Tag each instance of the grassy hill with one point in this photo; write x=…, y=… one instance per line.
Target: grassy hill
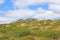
x=31, y=29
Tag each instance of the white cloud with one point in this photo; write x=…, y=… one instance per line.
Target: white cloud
x=54, y=7
x=20, y=13
x=24, y=3
x=2, y=1
x=46, y=14
x=6, y=20
x=54, y=1
x=13, y=15
x=39, y=13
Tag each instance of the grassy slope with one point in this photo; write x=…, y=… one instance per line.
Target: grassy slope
x=31, y=29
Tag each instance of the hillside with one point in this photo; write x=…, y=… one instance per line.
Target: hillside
x=31, y=29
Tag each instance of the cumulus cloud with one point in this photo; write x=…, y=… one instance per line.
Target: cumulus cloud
x=13, y=15
x=6, y=20
x=24, y=3
x=44, y=15
x=20, y=13
x=54, y=7
x=23, y=12
x=54, y=1
x=39, y=14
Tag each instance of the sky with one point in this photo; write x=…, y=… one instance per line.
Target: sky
x=12, y=10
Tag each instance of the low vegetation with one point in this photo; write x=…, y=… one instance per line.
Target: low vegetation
x=31, y=29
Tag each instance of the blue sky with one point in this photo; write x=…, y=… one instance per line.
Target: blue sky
x=7, y=5
x=34, y=7
x=11, y=10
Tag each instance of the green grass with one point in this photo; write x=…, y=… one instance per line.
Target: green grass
x=33, y=30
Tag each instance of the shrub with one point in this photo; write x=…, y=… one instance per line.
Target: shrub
x=21, y=33
x=52, y=34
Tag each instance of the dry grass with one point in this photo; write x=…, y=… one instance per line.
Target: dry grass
x=31, y=29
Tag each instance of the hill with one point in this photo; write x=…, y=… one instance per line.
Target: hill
x=31, y=29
